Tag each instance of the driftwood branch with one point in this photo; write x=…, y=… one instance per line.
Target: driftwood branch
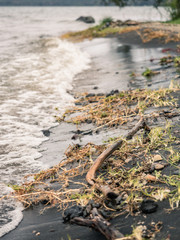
x=100, y=224
x=96, y=221
x=90, y=177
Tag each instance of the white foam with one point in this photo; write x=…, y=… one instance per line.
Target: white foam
x=11, y=211
x=36, y=83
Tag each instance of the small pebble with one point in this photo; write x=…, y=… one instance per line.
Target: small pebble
x=75, y=136
x=100, y=94
x=46, y=133
x=158, y=166
x=95, y=87
x=150, y=177
x=112, y=93
x=78, y=103
x=88, y=121
x=70, y=213
x=148, y=206
x=90, y=95
x=157, y=158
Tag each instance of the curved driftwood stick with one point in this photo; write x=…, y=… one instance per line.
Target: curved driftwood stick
x=100, y=224
x=90, y=177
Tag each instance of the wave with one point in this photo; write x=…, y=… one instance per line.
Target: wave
x=33, y=84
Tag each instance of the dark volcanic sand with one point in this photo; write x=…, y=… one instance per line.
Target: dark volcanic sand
x=50, y=225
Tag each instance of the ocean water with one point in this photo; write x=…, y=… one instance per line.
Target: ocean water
x=36, y=73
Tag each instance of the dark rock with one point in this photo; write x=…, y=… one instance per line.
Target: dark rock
x=88, y=121
x=70, y=213
x=100, y=94
x=77, y=131
x=86, y=19
x=116, y=91
x=75, y=137
x=105, y=214
x=85, y=103
x=95, y=87
x=92, y=101
x=44, y=201
x=96, y=205
x=46, y=133
x=91, y=95
x=113, y=92
x=97, y=131
x=148, y=206
x=117, y=72
x=89, y=207
x=78, y=103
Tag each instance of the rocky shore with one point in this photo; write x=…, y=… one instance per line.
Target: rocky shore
x=103, y=82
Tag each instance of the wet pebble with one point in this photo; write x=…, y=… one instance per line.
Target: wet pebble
x=112, y=93
x=46, y=133
x=158, y=166
x=157, y=158
x=70, y=213
x=148, y=206
x=90, y=95
x=95, y=87
x=44, y=201
x=150, y=177
x=75, y=137
x=78, y=103
x=105, y=214
x=88, y=121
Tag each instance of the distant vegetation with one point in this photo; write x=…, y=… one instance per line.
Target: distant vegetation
x=176, y=21
x=173, y=5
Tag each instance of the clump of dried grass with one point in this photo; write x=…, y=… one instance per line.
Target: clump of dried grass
x=117, y=109
x=97, y=31
x=148, y=34
x=134, y=181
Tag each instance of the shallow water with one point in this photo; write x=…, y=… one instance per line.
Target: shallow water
x=114, y=62
x=36, y=72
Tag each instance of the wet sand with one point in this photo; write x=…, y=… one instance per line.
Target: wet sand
x=104, y=76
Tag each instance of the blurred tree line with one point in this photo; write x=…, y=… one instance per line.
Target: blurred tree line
x=174, y=5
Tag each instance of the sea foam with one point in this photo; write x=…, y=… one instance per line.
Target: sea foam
x=36, y=82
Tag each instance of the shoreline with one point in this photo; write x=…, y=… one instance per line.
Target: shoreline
x=48, y=224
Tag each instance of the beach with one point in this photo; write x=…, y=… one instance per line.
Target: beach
x=109, y=65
